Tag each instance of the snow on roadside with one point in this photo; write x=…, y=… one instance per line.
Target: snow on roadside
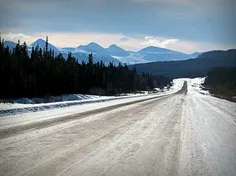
x=177, y=84
x=26, y=108
x=195, y=86
x=28, y=102
x=7, y=109
x=66, y=99
x=11, y=119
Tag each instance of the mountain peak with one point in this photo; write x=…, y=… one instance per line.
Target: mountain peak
x=92, y=47
x=93, y=44
x=38, y=42
x=117, y=51
x=113, y=46
x=154, y=49
x=41, y=43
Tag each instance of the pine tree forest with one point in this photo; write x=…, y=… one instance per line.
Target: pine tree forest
x=41, y=74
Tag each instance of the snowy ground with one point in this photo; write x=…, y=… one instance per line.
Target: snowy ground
x=175, y=134
x=26, y=102
x=26, y=106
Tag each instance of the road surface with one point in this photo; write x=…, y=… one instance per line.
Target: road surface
x=180, y=134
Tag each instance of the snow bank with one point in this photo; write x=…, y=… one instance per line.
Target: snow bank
x=25, y=105
x=54, y=100
x=195, y=86
x=10, y=109
x=177, y=84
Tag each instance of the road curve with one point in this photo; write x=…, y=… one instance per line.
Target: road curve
x=182, y=134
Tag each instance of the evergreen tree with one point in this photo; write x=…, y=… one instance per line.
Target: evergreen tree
x=41, y=74
x=90, y=59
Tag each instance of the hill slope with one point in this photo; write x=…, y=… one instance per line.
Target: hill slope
x=191, y=67
x=10, y=44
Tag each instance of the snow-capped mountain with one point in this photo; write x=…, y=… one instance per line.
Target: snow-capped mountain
x=154, y=49
x=92, y=48
x=114, y=50
x=149, y=54
x=113, y=53
x=153, y=54
x=99, y=53
x=42, y=44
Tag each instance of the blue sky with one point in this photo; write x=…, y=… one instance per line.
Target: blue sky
x=183, y=25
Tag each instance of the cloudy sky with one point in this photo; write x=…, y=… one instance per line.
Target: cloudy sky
x=183, y=25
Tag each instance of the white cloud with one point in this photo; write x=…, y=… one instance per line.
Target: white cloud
x=153, y=41
x=16, y=36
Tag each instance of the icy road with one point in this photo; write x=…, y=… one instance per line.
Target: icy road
x=179, y=134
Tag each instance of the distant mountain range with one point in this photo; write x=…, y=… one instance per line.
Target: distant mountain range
x=114, y=53
x=190, y=67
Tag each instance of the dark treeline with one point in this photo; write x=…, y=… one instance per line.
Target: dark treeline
x=43, y=74
x=222, y=81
